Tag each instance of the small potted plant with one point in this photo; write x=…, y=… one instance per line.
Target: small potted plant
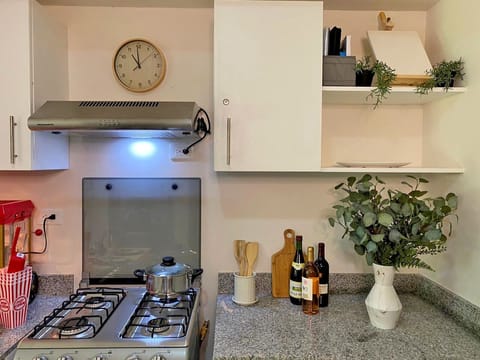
x=364, y=72
x=442, y=75
x=385, y=76
x=392, y=229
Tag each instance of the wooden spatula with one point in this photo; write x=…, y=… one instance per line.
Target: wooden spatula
x=251, y=254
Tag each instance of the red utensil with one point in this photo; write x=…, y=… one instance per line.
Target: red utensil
x=17, y=259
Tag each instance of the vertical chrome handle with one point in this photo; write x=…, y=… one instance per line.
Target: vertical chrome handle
x=229, y=131
x=12, y=139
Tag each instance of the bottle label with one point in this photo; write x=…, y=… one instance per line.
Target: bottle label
x=298, y=266
x=323, y=289
x=309, y=287
x=295, y=289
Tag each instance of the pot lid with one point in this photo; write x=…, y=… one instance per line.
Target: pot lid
x=168, y=267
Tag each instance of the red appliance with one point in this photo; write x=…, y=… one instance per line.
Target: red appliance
x=14, y=214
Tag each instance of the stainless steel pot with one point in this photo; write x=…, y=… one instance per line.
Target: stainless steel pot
x=169, y=278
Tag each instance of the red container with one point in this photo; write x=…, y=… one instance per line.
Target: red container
x=14, y=213
x=14, y=293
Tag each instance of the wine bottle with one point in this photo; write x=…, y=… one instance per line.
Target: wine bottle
x=323, y=270
x=298, y=264
x=310, y=282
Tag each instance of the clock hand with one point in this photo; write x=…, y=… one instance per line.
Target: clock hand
x=138, y=59
x=137, y=62
x=141, y=62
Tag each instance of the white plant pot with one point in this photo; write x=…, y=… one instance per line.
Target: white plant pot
x=383, y=305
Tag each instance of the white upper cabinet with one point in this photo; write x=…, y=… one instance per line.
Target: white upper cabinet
x=34, y=69
x=267, y=85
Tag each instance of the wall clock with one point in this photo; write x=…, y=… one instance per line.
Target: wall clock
x=139, y=65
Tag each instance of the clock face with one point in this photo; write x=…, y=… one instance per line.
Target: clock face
x=139, y=65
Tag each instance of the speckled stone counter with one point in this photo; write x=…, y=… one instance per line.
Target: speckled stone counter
x=53, y=289
x=273, y=328
x=37, y=310
x=435, y=324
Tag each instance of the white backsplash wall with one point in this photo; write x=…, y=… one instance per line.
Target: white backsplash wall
x=255, y=207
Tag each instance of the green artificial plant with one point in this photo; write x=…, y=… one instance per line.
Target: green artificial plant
x=385, y=76
x=393, y=227
x=442, y=75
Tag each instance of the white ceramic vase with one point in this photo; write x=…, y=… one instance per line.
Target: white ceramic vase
x=383, y=305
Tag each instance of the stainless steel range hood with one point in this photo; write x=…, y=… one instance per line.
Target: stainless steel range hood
x=137, y=119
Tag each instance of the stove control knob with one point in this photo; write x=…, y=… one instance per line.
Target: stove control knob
x=41, y=357
x=65, y=357
x=158, y=357
x=100, y=357
x=133, y=357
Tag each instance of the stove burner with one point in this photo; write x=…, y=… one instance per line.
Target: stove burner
x=73, y=326
x=95, y=302
x=171, y=302
x=158, y=325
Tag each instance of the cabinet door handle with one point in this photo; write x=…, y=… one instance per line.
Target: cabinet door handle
x=229, y=131
x=12, y=139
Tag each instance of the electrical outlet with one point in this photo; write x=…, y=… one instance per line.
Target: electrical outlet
x=47, y=212
x=176, y=152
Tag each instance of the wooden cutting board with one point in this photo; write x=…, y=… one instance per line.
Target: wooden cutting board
x=281, y=264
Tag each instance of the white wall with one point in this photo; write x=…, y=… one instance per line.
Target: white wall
x=454, y=125
x=256, y=207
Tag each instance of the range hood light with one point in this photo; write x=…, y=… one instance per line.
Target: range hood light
x=142, y=148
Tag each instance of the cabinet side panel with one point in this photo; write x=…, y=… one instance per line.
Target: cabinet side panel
x=50, y=82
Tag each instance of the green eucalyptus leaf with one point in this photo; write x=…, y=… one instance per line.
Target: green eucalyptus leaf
x=331, y=221
x=338, y=186
x=433, y=235
x=380, y=181
x=415, y=228
x=369, y=258
x=364, y=186
x=417, y=193
x=351, y=180
x=407, y=209
x=355, y=239
x=371, y=247
x=359, y=249
x=452, y=200
x=422, y=180
x=366, y=177
x=369, y=219
x=360, y=232
x=377, y=237
x=340, y=212
x=394, y=235
x=385, y=219
x=396, y=207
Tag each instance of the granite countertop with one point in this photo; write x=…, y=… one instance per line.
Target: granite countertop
x=37, y=310
x=53, y=290
x=273, y=328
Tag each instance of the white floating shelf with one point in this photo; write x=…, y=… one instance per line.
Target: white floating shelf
x=396, y=170
x=391, y=5
x=133, y=3
x=400, y=95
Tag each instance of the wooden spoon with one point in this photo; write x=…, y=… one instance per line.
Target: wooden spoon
x=238, y=246
x=243, y=259
x=251, y=253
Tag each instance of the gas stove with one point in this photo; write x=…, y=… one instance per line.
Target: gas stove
x=117, y=324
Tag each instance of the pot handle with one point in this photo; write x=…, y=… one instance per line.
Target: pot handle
x=196, y=272
x=140, y=274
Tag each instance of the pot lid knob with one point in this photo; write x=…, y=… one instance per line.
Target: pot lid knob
x=168, y=261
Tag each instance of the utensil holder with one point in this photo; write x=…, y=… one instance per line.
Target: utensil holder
x=14, y=294
x=244, y=289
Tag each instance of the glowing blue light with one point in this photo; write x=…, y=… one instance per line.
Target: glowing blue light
x=142, y=148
